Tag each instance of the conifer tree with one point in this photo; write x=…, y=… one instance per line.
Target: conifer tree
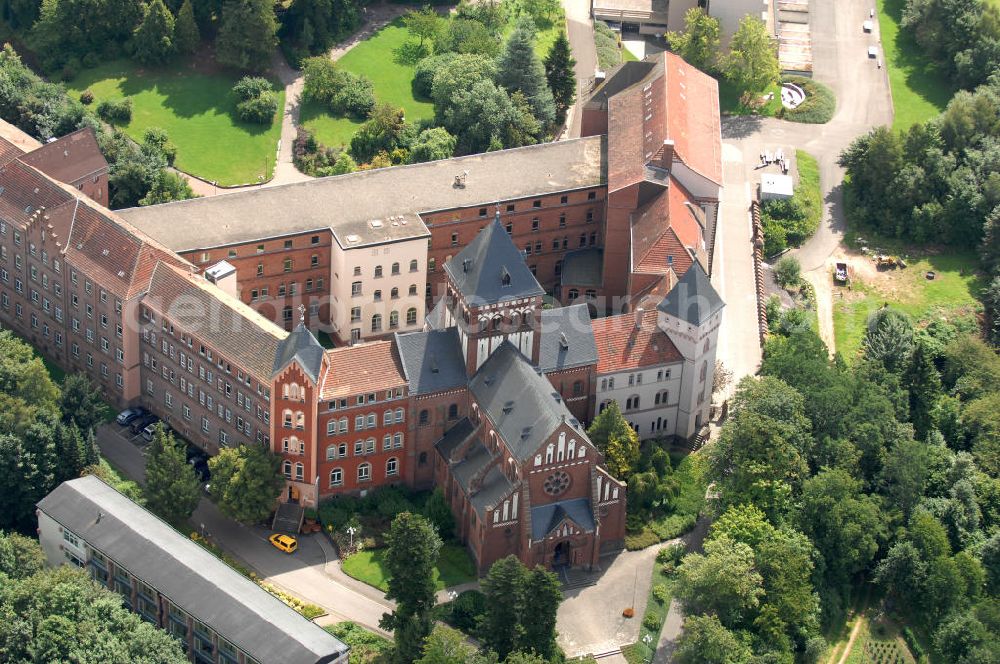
x=171, y=485
x=559, y=73
x=412, y=553
x=186, y=35
x=154, y=37
x=924, y=385
x=541, y=602
x=504, y=589
x=247, y=34
x=520, y=70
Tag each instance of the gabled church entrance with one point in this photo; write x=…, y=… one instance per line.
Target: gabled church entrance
x=561, y=555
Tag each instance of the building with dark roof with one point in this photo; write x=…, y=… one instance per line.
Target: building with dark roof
x=218, y=615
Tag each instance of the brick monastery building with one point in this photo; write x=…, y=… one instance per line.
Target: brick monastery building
x=435, y=283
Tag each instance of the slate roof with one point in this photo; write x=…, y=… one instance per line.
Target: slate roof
x=454, y=437
x=235, y=330
x=567, y=339
x=622, y=346
x=693, y=298
x=302, y=347
x=360, y=369
x=494, y=485
x=544, y=518
x=347, y=203
x=522, y=404
x=194, y=579
x=432, y=361
x=584, y=267
x=480, y=270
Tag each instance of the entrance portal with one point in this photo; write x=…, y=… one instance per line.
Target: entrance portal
x=293, y=494
x=560, y=557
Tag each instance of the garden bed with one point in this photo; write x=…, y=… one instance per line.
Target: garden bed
x=197, y=110
x=789, y=223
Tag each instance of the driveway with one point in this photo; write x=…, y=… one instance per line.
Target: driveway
x=863, y=101
x=580, y=31
x=312, y=573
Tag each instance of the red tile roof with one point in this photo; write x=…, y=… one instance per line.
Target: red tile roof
x=682, y=219
x=70, y=158
x=656, y=260
x=621, y=346
x=693, y=121
x=370, y=367
x=9, y=151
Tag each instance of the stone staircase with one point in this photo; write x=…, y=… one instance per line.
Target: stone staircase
x=288, y=518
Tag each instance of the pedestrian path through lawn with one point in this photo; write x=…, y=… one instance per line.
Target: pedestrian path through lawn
x=196, y=110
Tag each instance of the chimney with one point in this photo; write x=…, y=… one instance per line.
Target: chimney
x=667, y=156
x=638, y=318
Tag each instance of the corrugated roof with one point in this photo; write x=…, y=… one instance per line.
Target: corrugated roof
x=192, y=578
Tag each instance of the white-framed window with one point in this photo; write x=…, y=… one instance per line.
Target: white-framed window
x=337, y=477
x=392, y=467
x=364, y=472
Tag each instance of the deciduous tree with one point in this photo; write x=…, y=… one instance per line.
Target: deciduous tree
x=20, y=556
x=424, y=23
x=246, y=482
x=705, y=640
x=699, y=43
x=81, y=403
x=752, y=62
x=616, y=439
x=724, y=581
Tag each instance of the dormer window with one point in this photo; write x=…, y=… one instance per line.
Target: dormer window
x=504, y=277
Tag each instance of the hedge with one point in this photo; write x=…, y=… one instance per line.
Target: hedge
x=819, y=105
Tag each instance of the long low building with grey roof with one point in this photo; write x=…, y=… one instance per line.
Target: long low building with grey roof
x=218, y=615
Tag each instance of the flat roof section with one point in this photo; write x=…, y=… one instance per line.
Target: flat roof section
x=376, y=206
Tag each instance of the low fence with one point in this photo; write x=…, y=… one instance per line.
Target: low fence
x=758, y=269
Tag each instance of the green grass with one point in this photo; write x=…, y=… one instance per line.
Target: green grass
x=919, y=91
x=680, y=517
x=454, y=567
x=730, y=104
x=393, y=80
x=328, y=129
x=951, y=294
x=196, y=111
x=629, y=56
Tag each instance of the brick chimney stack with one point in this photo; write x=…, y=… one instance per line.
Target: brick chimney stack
x=638, y=318
x=667, y=154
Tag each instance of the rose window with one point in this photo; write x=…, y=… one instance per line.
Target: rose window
x=556, y=483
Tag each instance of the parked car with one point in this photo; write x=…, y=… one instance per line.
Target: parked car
x=129, y=415
x=285, y=543
x=141, y=423
x=150, y=431
x=868, y=26
x=872, y=52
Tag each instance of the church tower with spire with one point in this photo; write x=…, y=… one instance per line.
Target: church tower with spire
x=493, y=297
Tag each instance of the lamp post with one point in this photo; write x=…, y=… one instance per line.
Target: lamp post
x=350, y=531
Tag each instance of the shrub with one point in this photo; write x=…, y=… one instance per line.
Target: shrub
x=640, y=540
x=252, y=87
x=87, y=97
x=788, y=272
x=463, y=613
x=70, y=69
x=651, y=621
x=115, y=112
x=423, y=76
x=818, y=106
x=606, y=42
x=660, y=593
x=355, y=97
x=671, y=553
x=259, y=110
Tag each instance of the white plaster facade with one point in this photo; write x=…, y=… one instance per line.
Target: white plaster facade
x=648, y=397
x=386, y=280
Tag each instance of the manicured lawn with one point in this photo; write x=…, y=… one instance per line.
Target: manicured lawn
x=454, y=567
x=729, y=100
x=329, y=130
x=393, y=80
x=919, y=91
x=195, y=109
x=951, y=294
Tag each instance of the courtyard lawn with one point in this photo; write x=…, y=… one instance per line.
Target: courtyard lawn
x=393, y=79
x=196, y=111
x=454, y=567
x=329, y=130
x=919, y=91
x=730, y=104
x=951, y=295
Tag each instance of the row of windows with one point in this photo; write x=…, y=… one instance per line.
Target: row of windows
x=378, y=272
x=363, y=447
x=264, y=292
x=356, y=291
x=537, y=203
x=361, y=422
x=634, y=379
x=364, y=472
x=411, y=319
x=232, y=253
